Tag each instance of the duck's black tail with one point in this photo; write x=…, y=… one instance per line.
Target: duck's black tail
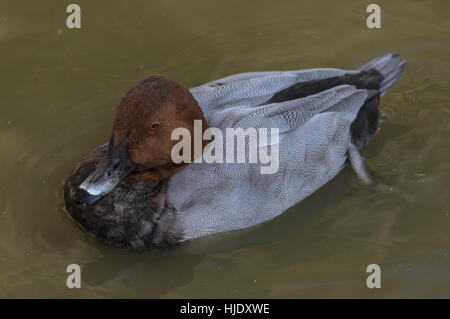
x=390, y=66
x=379, y=74
x=366, y=122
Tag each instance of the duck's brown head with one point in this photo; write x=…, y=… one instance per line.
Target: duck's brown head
x=141, y=141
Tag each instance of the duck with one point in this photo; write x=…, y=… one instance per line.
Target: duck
x=129, y=192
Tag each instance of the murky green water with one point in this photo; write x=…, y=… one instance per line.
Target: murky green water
x=59, y=89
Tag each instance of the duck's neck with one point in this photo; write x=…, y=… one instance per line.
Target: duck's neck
x=158, y=175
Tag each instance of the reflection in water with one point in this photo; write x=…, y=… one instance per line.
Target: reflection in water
x=59, y=91
x=147, y=273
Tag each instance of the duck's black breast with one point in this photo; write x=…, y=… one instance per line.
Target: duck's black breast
x=134, y=214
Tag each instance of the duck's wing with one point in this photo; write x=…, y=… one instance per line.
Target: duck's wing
x=250, y=89
x=319, y=132
x=291, y=114
x=313, y=147
x=257, y=88
x=219, y=197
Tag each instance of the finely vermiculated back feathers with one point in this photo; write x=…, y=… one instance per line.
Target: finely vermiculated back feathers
x=315, y=142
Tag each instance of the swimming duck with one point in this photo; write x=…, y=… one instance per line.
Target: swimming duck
x=130, y=192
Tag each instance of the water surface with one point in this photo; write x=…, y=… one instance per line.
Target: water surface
x=59, y=89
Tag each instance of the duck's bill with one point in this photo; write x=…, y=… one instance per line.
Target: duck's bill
x=109, y=173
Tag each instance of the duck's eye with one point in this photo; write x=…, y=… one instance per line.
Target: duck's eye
x=154, y=126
